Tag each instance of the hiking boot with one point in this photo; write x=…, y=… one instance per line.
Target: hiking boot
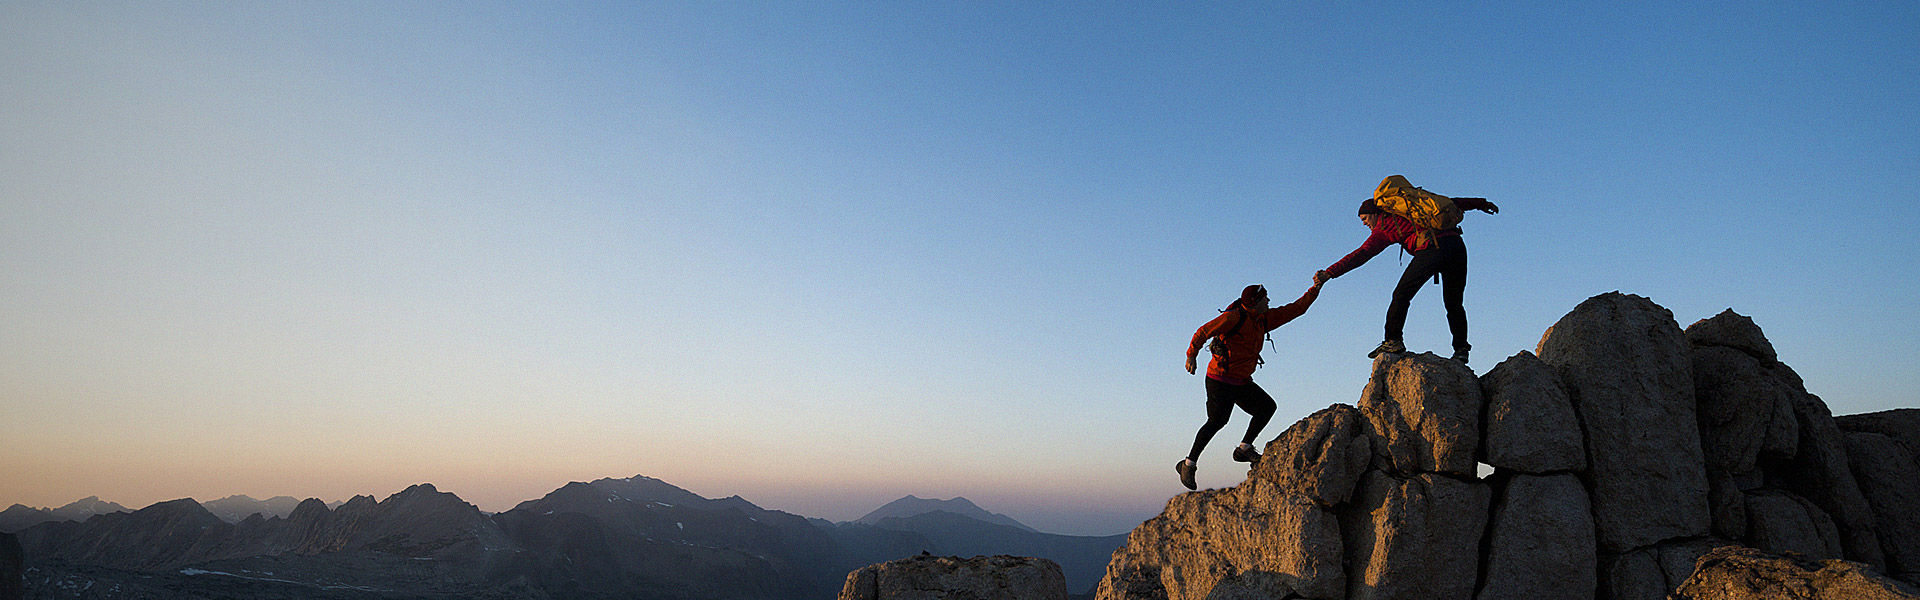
x=1245, y=453
x=1185, y=469
x=1388, y=347
x=1460, y=355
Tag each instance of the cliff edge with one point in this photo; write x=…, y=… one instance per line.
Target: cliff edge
x=1624, y=449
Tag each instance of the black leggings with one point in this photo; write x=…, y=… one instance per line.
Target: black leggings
x=1448, y=258
x=1221, y=398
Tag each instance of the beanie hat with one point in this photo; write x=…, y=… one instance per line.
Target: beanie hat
x=1253, y=292
x=1369, y=208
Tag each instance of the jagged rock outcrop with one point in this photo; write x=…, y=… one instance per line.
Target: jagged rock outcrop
x=1890, y=481
x=1781, y=522
x=954, y=578
x=1901, y=424
x=1889, y=478
x=1276, y=534
x=1540, y=543
x=1425, y=412
x=1347, y=503
x=1414, y=537
x=1623, y=452
x=1626, y=367
x=1530, y=423
x=1821, y=472
x=1738, y=573
x=1762, y=431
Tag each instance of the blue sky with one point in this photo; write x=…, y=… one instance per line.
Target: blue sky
x=826, y=255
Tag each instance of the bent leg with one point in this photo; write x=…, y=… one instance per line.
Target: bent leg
x=1421, y=268
x=1219, y=407
x=1257, y=403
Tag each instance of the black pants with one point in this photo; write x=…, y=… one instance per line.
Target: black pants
x=1448, y=258
x=1221, y=398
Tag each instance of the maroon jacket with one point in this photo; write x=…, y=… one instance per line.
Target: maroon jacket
x=1243, y=349
x=1392, y=229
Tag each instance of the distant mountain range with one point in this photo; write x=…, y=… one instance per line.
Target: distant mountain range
x=232, y=509
x=18, y=517
x=612, y=538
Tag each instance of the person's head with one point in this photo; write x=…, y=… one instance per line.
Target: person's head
x=1253, y=298
x=1370, y=212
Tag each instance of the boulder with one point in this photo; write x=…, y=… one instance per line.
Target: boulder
x=1740, y=573
x=952, y=578
x=1319, y=458
x=1167, y=557
x=1540, y=541
x=1416, y=537
x=1628, y=370
x=1650, y=573
x=1727, y=498
x=1821, y=472
x=1900, y=424
x=1732, y=330
x=1272, y=543
x=1738, y=404
x=1781, y=522
x=1530, y=424
x=1425, y=410
x=1889, y=478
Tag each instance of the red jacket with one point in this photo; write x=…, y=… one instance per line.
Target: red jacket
x=1243, y=347
x=1392, y=229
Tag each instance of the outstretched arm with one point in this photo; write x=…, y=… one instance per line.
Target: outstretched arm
x=1375, y=243
x=1479, y=204
x=1280, y=315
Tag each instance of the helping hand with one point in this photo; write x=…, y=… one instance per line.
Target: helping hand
x=1320, y=277
x=1491, y=208
x=1190, y=365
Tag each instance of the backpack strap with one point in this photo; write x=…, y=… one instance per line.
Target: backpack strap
x=1219, y=343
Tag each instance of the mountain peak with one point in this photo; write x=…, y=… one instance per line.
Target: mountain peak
x=421, y=488
x=911, y=505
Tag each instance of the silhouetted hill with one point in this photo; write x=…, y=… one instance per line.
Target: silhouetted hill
x=20, y=516
x=910, y=506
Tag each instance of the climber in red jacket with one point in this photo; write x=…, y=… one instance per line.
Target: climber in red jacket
x=1238, y=335
x=1445, y=255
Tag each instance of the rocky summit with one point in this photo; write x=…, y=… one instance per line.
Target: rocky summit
x=1631, y=459
x=952, y=578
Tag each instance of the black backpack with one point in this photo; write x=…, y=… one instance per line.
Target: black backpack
x=1218, y=345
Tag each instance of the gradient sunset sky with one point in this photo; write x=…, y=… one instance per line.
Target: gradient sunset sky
x=823, y=255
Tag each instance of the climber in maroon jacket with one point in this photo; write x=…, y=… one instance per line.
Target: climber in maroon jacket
x=1442, y=252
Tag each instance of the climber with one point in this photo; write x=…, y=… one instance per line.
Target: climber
x=1238, y=335
x=1435, y=251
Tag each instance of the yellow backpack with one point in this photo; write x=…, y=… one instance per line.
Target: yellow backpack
x=1432, y=212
